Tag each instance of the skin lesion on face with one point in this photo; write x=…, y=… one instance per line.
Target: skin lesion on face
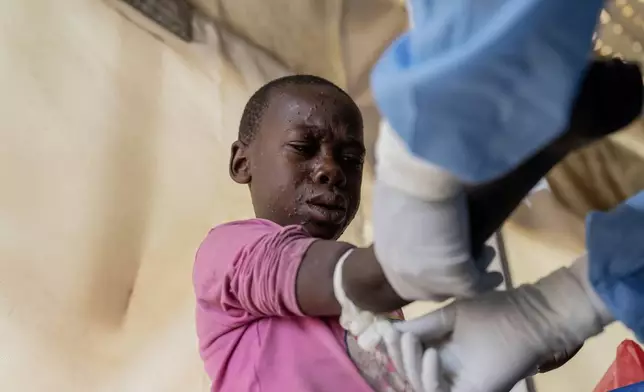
x=304, y=167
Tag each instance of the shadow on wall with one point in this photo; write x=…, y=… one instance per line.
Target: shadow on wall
x=113, y=165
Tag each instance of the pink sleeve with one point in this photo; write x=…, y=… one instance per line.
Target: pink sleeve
x=250, y=267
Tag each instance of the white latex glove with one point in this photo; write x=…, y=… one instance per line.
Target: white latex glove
x=419, y=366
x=423, y=246
x=489, y=343
x=421, y=227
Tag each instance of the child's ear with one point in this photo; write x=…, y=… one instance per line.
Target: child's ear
x=239, y=167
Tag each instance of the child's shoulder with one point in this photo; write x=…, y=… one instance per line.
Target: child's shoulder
x=248, y=229
x=245, y=226
x=225, y=242
x=237, y=233
x=241, y=233
x=237, y=236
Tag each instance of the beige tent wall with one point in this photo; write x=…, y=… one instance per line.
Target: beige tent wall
x=112, y=165
x=113, y=162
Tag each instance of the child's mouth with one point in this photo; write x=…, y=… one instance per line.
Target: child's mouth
x=326, y=212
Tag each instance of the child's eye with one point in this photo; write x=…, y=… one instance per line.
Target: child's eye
x=357, y=160
x=303, y=148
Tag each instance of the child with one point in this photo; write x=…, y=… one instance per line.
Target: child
x=266, y=311
x=267, y=315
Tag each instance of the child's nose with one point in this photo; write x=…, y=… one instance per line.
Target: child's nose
x=329, y=172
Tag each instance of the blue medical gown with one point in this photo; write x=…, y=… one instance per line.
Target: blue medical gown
x=639, y=387
x=477, y=86
x=615, y=242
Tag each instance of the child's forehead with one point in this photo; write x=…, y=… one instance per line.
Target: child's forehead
x=312, y=105
x=310, y=95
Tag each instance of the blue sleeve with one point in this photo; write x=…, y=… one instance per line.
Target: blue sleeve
x=615, y=242
x=477, y=86
x=639, y=387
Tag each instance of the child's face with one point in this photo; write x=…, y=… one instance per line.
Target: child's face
x=306, y=160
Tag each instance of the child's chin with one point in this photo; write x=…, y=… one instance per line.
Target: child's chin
x=323, y=230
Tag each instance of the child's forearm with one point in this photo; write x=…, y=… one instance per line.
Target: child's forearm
x=366, y=285
x=365, y=282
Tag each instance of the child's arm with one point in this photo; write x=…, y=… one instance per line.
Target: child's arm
x=364, y=280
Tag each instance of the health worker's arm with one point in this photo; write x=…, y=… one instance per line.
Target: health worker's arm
x=365, y=283
x=475, y=88
x=610, y=98
x=492, y=341
x=616, y=261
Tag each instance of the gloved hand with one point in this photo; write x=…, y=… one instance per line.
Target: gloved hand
x=420, y=215
x=421, y=232
x=489, y=343
x=422, y=243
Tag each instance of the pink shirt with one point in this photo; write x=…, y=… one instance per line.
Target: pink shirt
x=252, y=333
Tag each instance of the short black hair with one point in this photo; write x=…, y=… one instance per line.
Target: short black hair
x=259, y=101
